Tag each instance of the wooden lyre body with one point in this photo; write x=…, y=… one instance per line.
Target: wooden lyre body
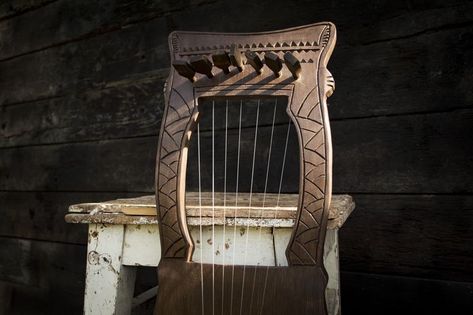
x=306, y=83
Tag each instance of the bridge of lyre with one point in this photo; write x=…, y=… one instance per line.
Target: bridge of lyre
x=289, y=67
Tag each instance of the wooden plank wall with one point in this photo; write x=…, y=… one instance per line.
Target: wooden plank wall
x=81, y=102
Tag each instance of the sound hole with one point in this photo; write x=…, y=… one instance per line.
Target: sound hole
x=242, y=165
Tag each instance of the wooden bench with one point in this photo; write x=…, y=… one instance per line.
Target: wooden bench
x=123, y=234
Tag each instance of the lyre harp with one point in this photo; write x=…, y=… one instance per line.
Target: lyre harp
x=288, y=63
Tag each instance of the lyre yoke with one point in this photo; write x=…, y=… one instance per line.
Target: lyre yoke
x=289, y=64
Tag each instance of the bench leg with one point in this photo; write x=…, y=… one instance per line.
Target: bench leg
x=332, y=293
x=331, y=262
x=109, y=285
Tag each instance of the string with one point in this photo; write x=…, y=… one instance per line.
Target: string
x=268, y=163
x=200, y=217
x=277, y=207
x=249, y=206
x=235, y=210
x=224, y=204
x=213, y=207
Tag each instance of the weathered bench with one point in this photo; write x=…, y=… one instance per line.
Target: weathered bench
x=123, y=234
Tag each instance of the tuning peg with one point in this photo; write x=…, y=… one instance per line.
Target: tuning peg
x=184, y=69
x=202, y=64
x=293, y=65
x=253, y=59
x=235, y=57
x=222, y=61
x=273, y=62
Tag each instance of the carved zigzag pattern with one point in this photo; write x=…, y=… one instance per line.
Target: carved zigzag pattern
x=325, y=36
x=177, y=118
x=303, y=250
x=308, y=45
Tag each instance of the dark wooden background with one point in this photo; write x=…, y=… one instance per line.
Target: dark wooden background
x=81, y=102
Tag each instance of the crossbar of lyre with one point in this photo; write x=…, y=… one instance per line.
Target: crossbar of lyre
x=258, y=49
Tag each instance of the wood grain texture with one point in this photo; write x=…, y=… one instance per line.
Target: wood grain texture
x=95, y=63
x=175, y=126
x=307, y=108
x=315, y=185
x=400, y=64
x=286, y=288
x=41, y=270
x=411, y=146
x=404, y=295
x=413, y=235
x=417, y=54
x=98, y=58
x=142, y=210
x=107, y=16
x=416, y=74
x=421, y=218
x=12, y=8
x=424, y=153
x=111, y=16
x=94, y=166
x=129, y=109
x=40, y=215
x=306, y=105
x=17, y=255
x=282, y=206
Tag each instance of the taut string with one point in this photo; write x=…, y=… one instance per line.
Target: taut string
x=200, y=218
x=224, y=206
x=268, y=163
x=277, y=207
x=213, y=207
x=235, y=210
x=249, y=206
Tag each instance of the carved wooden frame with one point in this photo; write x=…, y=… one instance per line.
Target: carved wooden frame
x=307, y=107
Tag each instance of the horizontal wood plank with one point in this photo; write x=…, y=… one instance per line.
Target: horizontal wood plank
x=35, y=272
x=129, y=109
x=80, y=20
x=430, y=153
x=77, y=21
x=413, y=235
x=423, y=235
x=388, y=76
x=414, y=74
x=14, y=8
x=29, y=262
x=392, y=295
x=40, y=215
x=416, y=19
x=378, y=155
x=210, y=209
x=98, y=62
x=122, y=165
